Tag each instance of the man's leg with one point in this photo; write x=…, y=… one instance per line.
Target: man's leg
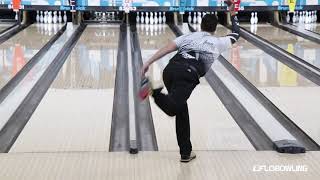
x=183, y=131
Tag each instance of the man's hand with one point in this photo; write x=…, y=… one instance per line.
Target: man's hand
x=144, y=69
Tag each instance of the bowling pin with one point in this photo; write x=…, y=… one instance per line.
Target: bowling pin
x=45, y=18
x=55, y=17
x=189, y=18
x=252, y=18
x=155, y=18
x=38, y=17
x=160, y=18
x=138, y=18
x=147, y=18
x=288, y=17
x=307, y=18
x=60, y=17
x=300, y=17
x=164, y=18
x=255, y=18
x=294, y=16
x=16, y=16
x=199, y=17
x=142, y=18
x=113, y=16
x=49, y=17
x=41, y=16
x=312, y=16
x=65, y=19
x=151, y=18
x=203, y=14
x=194, y=17
x=315, y=16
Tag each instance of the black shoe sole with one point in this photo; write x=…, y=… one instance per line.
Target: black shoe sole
x=187, y=160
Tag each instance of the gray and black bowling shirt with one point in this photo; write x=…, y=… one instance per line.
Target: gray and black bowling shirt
x=202, y=46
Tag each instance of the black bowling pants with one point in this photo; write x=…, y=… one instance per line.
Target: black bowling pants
x=180, y=82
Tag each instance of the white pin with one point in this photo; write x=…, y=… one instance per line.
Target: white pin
x=142, y=18
x=147, y=18
x=96, y=15
x=312, y=16
x=151, y=18
x=65, y=19
x=288, y=17
x=41, y=16
x=60, y=17
x=189, y=18
x=164, y=18
x=16, y=16
x=104, y=16
x=315, y=16
x=194, y=18
x=38, y=17
x=45, y=18
x=49, y=17
x=113, y=16
x=294, y=17
x=138, y=18
x=160, y=18
x=203, y=14
x=255, y=18
x=300, y=17
x=252, y=18
x=307, y=18
x=155, y=18
x=199, y=17
x=55, y=17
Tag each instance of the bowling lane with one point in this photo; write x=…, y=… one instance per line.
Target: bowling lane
x=75, y=114
x=315, y=27
x=303, y=48
x=292, y=93
x=212, y=127
x=18, y=50
x=4, y=26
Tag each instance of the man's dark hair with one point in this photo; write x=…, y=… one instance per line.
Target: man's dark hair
x=209, y=23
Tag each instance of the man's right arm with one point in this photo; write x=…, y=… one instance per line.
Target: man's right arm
x=234, y=36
